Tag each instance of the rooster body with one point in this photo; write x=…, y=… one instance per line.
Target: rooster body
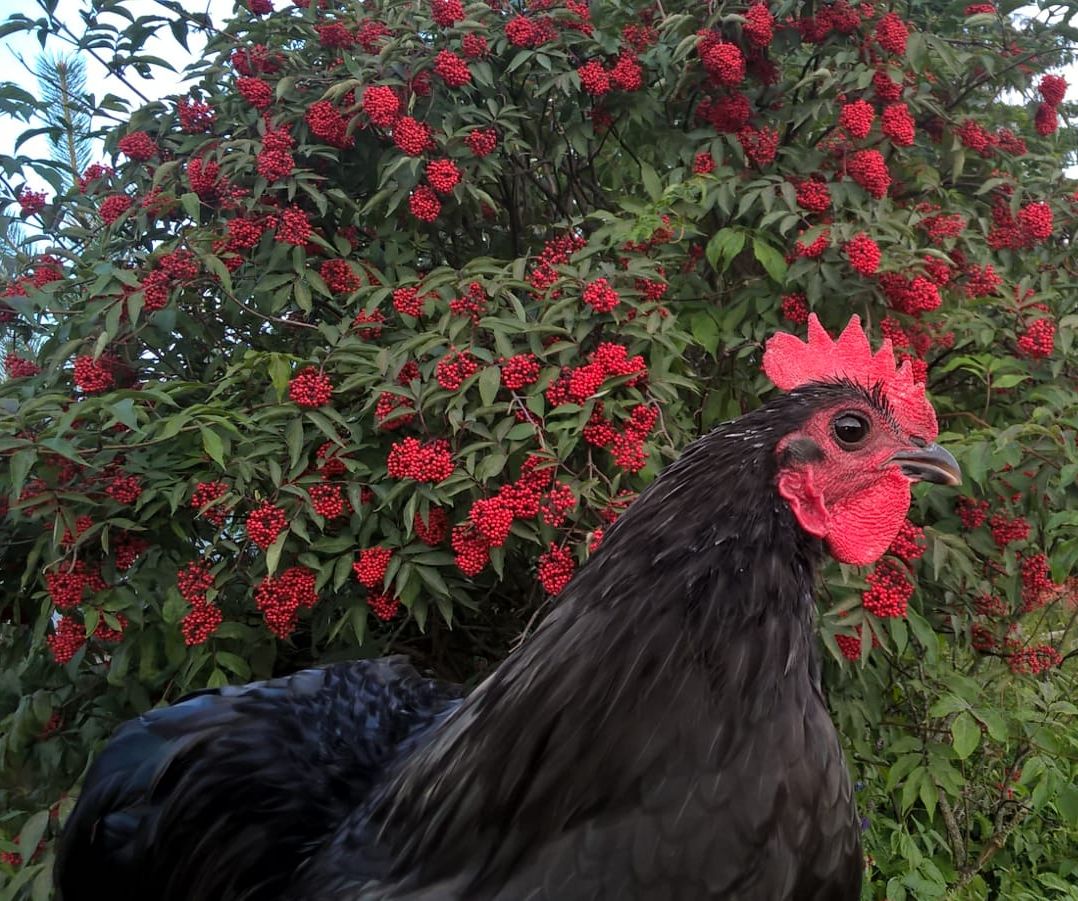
x=662, y=735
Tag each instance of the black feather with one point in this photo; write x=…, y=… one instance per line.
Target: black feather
x=662, y=735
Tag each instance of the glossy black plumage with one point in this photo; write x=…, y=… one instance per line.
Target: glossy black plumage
x=662, y=735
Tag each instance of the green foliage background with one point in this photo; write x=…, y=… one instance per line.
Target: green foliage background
x=967, y=769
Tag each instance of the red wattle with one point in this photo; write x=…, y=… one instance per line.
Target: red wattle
x=862, y=526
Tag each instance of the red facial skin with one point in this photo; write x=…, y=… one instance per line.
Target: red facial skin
x=855, y=499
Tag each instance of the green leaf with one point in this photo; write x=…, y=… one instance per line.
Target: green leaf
x=21, y=461
x=772, y=261
x=967, y=734
x=293, y=437
x=273, y=552
x=191, y=205
x=724, y=247
x=213, y=445
x=490, y=380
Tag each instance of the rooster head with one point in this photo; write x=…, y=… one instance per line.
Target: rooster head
x=846, y=472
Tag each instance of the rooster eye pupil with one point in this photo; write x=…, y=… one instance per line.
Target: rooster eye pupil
x=851, y=429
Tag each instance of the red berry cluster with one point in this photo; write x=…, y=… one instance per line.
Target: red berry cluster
x=628, y=447
x=200, y=623
x=759, y=25
x=383, y=606
x=273, y=165
x=66, y=586
x=594, y=79
x=1038, y=340
x=434, y=529
x=93, y=376
x=104, y=632
x=19, y=368
x=408, y=301
x=473, y=304
x=255, y=91
x=310, y=388
x=759, y=144
x=898, y=125
x=813, y=195
x=455, y=368
x=912, y=296
x=113, y=207
x=869, y=169
x=600, y=296
x=443, y=175
x=412, y=137
x=339, y=276
x=857, y=118
x=1034, y=660
x=977, y=9
x=390, y=411
x=195, y=117
x=30, y=202
x=382, y=107
x=474, y=46
x=482, y=141
x=82, y=523
x=863, y=254
x=1035, y=220
x=207, y=493
x=260, y=7
x=327, y=500
x=889, y=590
x=281, y=597
x=850, y=645
x=1005, y=531
x=411, y=459
x=795, y=308
x=1038, y=589
x=194, y=581
x=555, y=252
x=124, y=489
x=138, y=146
x=94, y=172
x=608, y=361
x=335, y=36
x=471, y=549
x=254, y=60
x=128, y=548
x=369, y=325
x=327, y=123
x=1053, y=88
x=264, y=524
x=67, y=638
x=626, y=74
x=492, y=518
x=370, y=35
x=556, y=568
x=816, y=249
x=520, y=371
x=424, y=204
x=727, y=114
x=330, y=463
x=971, y=512
x=892, y=33
x=990, y=605
x=976, y=138
x=703, y=163
x=724, y=62
x=370, y=568
x=452, y=69
x=295, y=228
x=558, y=504
x=909, y=543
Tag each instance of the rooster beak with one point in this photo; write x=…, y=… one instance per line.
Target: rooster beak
x=929, y=464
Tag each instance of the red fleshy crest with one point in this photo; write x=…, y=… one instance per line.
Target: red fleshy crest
x=790, y=363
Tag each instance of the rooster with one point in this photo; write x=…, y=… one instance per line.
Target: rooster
x=662, y=734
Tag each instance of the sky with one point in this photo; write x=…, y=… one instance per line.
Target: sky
x=19, y=52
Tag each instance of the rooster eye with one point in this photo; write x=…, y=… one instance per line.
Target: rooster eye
x=851, y=430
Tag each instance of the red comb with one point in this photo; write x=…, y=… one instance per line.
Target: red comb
x=789, y=362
